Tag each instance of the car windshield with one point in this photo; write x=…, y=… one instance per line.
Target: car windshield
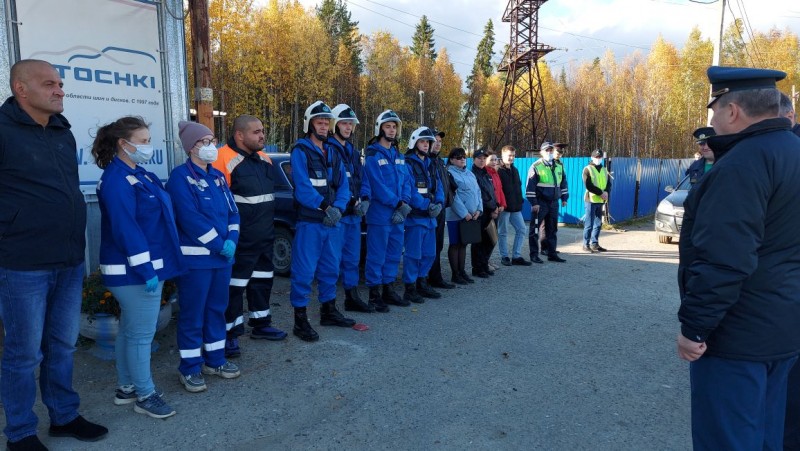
x=684, y=184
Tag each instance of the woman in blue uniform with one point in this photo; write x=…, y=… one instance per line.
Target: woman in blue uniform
x=138, y=252
x=208, y=228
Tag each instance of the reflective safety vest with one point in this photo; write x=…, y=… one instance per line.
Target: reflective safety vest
x=549, y=176
x=600, y=180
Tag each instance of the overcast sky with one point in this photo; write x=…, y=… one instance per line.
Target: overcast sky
x=580, y=30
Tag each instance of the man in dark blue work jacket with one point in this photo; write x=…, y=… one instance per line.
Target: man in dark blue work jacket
x=739, y=260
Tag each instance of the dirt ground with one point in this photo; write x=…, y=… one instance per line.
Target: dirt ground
x=572, y=356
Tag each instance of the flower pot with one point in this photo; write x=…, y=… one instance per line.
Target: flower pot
x=104, y=327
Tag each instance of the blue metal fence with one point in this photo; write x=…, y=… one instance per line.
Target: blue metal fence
x=648, y=186
x=622, y=200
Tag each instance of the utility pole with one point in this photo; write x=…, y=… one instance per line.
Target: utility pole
x=421, y=107
x=201, y=61
x=717, y=51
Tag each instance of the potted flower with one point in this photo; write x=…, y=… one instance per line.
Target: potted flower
x=101, y=310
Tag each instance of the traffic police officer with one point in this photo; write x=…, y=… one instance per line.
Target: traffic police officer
x=703, y=165
x=321, y=194
x=738, y=267
x=344, y=121
x=384, y=168
x=426, y=199
x=546, y=184
x=251, y=177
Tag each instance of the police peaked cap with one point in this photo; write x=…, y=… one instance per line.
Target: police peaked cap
x=728, y=79
x=703, y=133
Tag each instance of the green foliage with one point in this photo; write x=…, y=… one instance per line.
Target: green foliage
x=98, y=299
x=422, y=43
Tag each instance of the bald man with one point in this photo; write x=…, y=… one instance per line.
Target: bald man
x=42, y=223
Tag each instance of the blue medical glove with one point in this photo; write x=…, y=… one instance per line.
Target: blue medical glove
x=151, y=285
x=228, y=249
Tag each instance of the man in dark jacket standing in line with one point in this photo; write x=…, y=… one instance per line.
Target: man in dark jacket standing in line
x=481, y=251
x=598, y=185
x=547, y=184
x=512, y=189
x=739, y=260
x=42, y=223
x=435, y=278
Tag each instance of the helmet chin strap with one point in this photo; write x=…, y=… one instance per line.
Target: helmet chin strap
x=421, y=153
x=319, y=137
x=336, y=132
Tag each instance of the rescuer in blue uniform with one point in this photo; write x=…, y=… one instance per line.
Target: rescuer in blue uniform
x=737, y=274
x=321, y=194
x=344, y=122
x=426, y=200
x=208, y=229
x=386, y=174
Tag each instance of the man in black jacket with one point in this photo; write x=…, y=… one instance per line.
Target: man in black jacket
x=739, y=260
x=42, y=223
x=703, y=165
x=435, y=278
x=481, y=251
x=787, y=111
x=512, y=189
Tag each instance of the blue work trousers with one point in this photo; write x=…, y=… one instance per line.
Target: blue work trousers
x=350, y=245
x=420, y=250
x=738, y=404
x=41, y=313
x=137, y=327
x=384, y=248
x=315, y=254
x=593, y=220
x=203, y=297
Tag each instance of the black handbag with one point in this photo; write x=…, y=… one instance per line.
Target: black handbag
x=469, y=231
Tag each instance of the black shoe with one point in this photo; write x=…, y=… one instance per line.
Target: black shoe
x=232, y=348
x=441, y=284
x=80, y=429
x=411, y=295
x=543, y=252
x=302, y=328
x=353, y=302
x=329, y=315
x=425, y=290
x=481, y=274
x=520, y=261
x=392, y=298
x=598, y=248
x=536, y=259
x=588, y=249
x=466, y=277
x=555, y=258
x=457, y=279
x=29, y=443
x=489, y=271
x=505, y=261
x=376, y=301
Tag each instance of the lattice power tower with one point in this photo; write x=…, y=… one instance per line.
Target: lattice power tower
x=523, y=118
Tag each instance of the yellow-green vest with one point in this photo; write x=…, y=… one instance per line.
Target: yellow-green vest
x=600, y=180
x=546, y=179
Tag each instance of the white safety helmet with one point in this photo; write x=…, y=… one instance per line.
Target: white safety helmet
x=317, y=109
x=422, y=133
x=343, y=112
x=388, y=116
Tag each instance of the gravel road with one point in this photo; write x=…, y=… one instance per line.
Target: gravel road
x=573, y=356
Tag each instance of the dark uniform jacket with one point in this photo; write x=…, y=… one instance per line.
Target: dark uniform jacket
x=739, y=272
x=696, y=170
x=512, y=188
x=444, y=177
x=487, y=189
x=42, y=212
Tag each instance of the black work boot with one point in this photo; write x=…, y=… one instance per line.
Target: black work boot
x=353, y=302
x=330, y=316
x=425, y=290
x=376, y=301
x=302, y=328
x=392, y=298
x=411, y=294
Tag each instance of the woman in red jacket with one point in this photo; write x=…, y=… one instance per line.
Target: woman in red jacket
x=492, y=163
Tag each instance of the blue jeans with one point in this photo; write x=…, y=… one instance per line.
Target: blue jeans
x=137, y=327
x=41, y=312
x=518, y=223
x=593, y=220
x=738, y=404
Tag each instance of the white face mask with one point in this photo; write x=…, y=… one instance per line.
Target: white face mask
x=143, y=153
x=547, y=156
x=597, y=161
x=208, y=153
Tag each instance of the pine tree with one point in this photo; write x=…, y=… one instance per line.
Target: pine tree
x=338, y=22
x=482, y=69
x=423, y=44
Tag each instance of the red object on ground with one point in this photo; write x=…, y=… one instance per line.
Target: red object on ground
x=360, y=327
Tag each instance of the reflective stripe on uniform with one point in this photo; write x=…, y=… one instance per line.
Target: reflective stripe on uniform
x=260, y=314
x=233, y=228
x=207, y=237
x=214, y=346
x=189, y=353
x=158, y=264
x=319, y=182
x=194, y=250
x=260, y=199
x=262, y=275
x=132, y=179
x=233, y=163
x=239, y=282
x=382, y=162
x=112, y=270
x=138, y=259
x=236, y=322
x=399, y=161
x=422, y=190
